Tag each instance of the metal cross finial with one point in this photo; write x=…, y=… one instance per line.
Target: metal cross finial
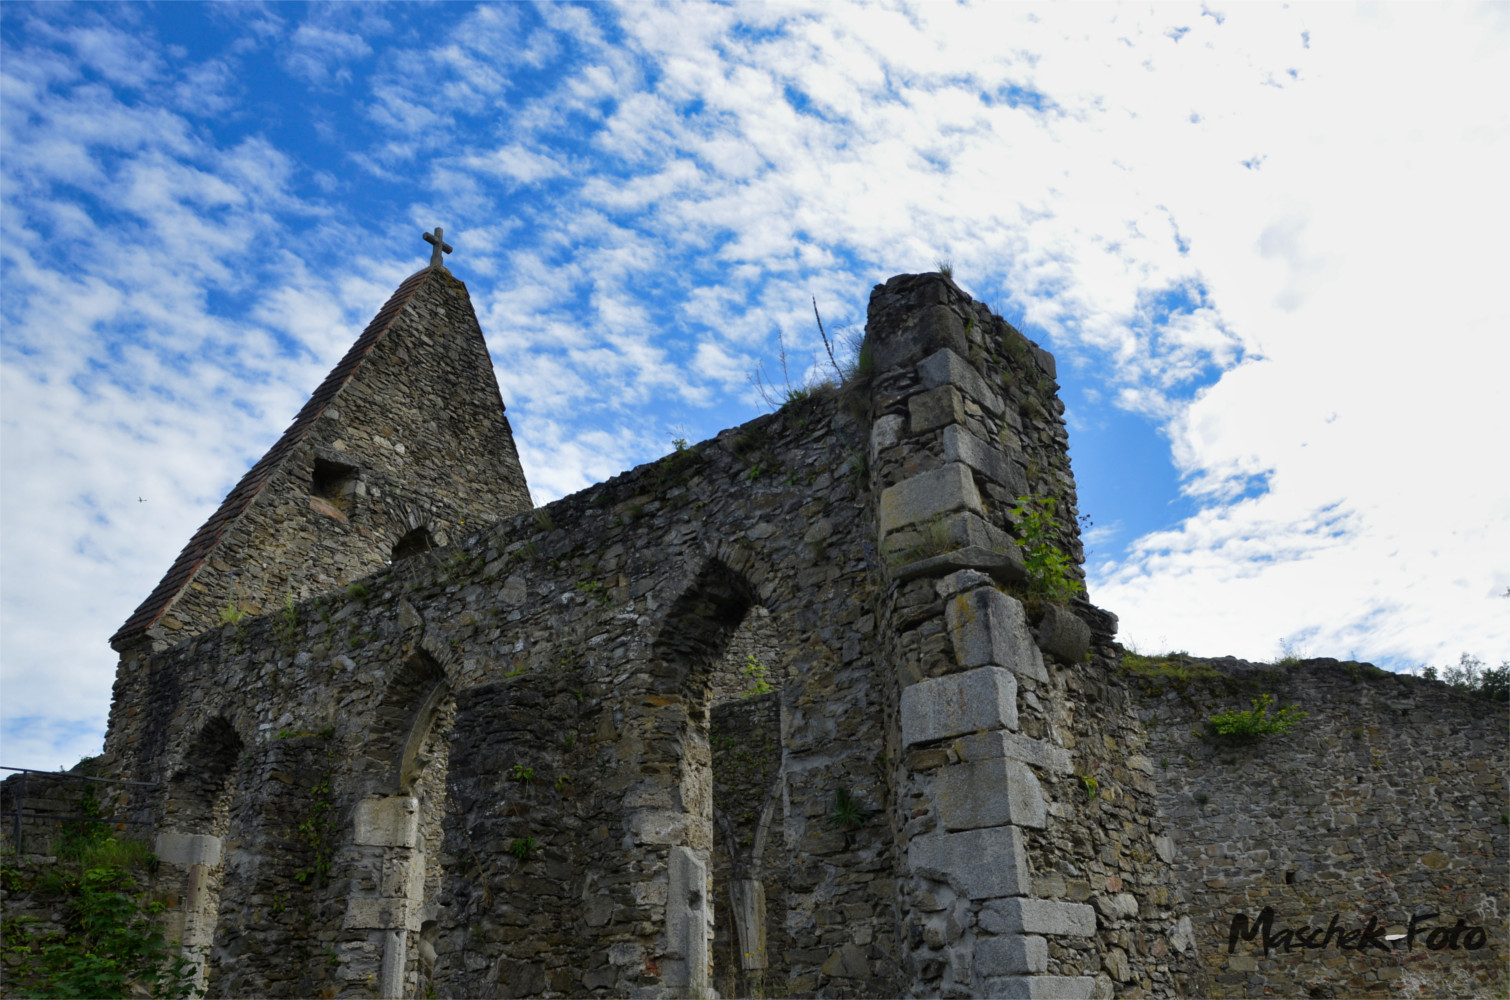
x=440, y=245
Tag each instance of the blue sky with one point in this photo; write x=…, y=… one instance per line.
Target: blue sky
x=1268, y=245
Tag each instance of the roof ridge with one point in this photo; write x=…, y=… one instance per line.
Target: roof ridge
x=205, y=540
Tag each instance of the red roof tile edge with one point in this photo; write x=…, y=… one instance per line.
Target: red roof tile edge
x=208, y=536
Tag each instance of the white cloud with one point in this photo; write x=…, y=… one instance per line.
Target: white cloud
x=167, y=312
x=318, y=54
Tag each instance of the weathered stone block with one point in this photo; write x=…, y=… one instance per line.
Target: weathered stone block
x=367, y=913
x=1012, y=954
x=988, y=627
x=1042, y=987
x=1121, y=906
x=686, y=921
x=936, y=408
x=187, y=848
x=977, y=700
x=1045, y=362
x=981, y=864
x=1062, y=635
x=1040, y=916
x=390, y=821
x=989, y=792
x=993, y=463
x=946, y=367
x=935, y=327
x=929, y=495
x=1015, y=746
x=966, y=529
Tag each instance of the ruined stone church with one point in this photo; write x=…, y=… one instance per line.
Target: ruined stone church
x=788, y=712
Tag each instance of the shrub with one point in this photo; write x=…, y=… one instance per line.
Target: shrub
x=1256, y=723
x=1047, y=566
x=112, y=945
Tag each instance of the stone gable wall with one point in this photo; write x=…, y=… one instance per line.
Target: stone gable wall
x=546, y=629
x=421, y=422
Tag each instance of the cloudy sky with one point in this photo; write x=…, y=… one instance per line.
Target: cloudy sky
x=1270, y=247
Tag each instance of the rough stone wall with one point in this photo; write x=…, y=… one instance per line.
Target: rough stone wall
x=749, y=847
x=420, y=426
x=44, y=801
x=1387, y=802
x=588, y=617
x=501, y=766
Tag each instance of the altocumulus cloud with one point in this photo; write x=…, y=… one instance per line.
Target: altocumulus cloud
x=1248, y=235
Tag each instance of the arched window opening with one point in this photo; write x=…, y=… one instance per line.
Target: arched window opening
x=718, y=652
x=749, y=860
x=413, y=543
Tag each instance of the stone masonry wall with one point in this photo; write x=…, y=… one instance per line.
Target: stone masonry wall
x=1004, y=861
x=589, y=607
x=421, y=427
x=501, y=767
x=1386, y=802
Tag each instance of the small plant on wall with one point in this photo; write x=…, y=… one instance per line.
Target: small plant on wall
x=1048, y=567
x=757, y=675
x=1256, y=723
x=847, y=814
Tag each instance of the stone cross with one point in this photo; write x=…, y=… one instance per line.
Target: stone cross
x=436, y=260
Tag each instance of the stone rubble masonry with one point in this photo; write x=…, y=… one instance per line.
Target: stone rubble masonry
x=524, y=763
x=412, y=433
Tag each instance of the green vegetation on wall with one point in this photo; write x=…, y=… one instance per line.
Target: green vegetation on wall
x=111, y=945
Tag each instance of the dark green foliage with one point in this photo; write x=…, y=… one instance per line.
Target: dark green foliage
x=1471, y=678
x=112, y=945
x=848, y=814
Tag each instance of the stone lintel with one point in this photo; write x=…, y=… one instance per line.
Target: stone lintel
x=382, y=913
x=1042, y=987
x=988, y=627
x=944, y=367
x=986, y=793
x=187, y=848
x=977, y=700
x=981, y=864
x=390, y=821
x=928, y=495
x=1015, y=746
x=1003, y=568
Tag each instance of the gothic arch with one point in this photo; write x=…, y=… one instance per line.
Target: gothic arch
x=698, y=627
x=199, y=787
x=403, y=722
